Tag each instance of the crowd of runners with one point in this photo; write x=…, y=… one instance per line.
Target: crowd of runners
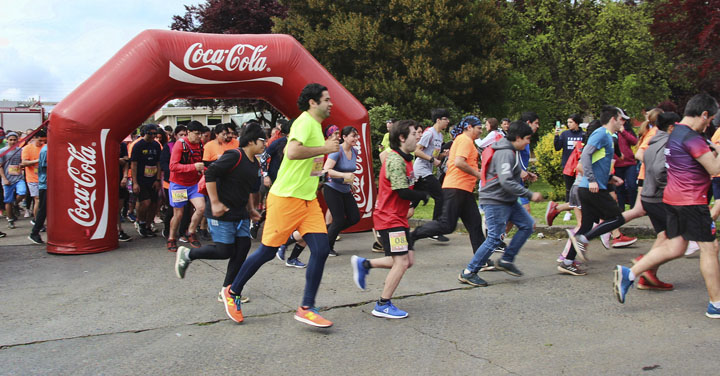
x=221, y=186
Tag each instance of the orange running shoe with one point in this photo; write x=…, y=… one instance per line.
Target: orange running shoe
x=311, y=316
x=232, y=305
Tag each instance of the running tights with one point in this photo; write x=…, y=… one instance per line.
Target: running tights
x=319, y=249
x=236, y=253
x=590, y=232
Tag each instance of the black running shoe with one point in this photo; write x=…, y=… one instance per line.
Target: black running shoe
x=508, y=267
x=123, y=237
x=440, y=238
x=35, y=238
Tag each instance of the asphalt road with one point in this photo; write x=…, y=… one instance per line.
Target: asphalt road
x=125, y=313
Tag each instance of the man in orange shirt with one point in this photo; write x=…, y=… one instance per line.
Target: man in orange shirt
x=223, y=141
x=460, y=181
x=30, y=159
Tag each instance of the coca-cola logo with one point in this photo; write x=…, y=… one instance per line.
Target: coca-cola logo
x=81, y=169
x=241, y=57
x=363, y=192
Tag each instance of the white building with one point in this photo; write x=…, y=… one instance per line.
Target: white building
x=174, y=116
x=20, y=116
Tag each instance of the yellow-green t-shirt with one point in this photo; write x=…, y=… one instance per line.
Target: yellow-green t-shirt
x=385, y=143
x=294, y=176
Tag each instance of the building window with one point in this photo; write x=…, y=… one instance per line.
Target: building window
x=183, y=120
x=214, y=120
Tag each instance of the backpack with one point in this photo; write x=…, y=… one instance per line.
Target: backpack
x=202, y=186
x=185, y=157
x=486, y=158
x=570, y=168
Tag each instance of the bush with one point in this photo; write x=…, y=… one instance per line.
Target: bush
x=378, y=116
x=549, y=165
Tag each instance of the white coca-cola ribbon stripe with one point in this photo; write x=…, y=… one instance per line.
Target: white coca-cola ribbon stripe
x=178, y=74
x=235, y=58
x=101, y=230
x=83, y=184
x=370, y=201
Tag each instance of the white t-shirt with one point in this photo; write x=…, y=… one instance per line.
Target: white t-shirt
x=431, y=142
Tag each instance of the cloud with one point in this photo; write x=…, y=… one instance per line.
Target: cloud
x=50, y=47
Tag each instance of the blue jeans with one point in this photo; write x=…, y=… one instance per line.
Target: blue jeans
x=496, y=218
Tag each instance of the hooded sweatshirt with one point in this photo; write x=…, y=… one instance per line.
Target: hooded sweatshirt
x=504, y=184
x=655, y=173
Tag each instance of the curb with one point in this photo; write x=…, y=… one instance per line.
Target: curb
x=559, y=231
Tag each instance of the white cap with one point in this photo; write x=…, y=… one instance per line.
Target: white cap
x=622, y=113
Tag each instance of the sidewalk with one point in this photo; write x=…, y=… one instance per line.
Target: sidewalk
x=125, y=312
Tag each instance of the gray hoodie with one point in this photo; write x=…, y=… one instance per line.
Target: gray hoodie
x=507, y=186
x=655, y=173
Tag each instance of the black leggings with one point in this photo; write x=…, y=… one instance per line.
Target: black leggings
x=596, y=207
x=344, y=212
x=236, y=252
x=457, y=203
x=431, y=185
x=41, y=213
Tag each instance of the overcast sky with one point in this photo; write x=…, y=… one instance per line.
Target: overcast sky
x=49, y=47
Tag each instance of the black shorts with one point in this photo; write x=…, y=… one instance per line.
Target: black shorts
x=692, y=222
x=123, y=194
x=598, y=205
x=657, y=213
x=147, y=192
x=387, y=246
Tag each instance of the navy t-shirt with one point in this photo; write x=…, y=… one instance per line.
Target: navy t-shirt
x=147, y=156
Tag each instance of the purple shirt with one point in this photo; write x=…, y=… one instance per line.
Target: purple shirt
x=687, y=180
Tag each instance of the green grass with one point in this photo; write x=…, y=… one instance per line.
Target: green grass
x=536, y=208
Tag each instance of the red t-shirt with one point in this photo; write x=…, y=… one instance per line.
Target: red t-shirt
x=391, y=210
x=185, y=173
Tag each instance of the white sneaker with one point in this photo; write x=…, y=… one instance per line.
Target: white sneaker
x=691, y=248
x=567, y=217
x=605, y=239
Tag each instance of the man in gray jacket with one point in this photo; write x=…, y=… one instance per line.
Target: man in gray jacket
x=501, y=185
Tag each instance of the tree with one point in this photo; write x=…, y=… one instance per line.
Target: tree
x=233, y=17
x=413, y=54
x=688, y=32
x=620, y=65
x=574, y=56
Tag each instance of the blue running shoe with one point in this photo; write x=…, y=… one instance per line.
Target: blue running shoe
x=295, y=263
x=622, y=282
x=280, y=254
x=388, y=311
x=359, y=271
x=712, y=312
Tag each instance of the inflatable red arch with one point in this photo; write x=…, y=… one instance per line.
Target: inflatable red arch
x=86, y=128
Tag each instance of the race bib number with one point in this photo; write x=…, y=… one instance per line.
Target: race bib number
x=398, y=242
x=14, y=170
x=317, y=166
x=150, y=171
x=179, y=195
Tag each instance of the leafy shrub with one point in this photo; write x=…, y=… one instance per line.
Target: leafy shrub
x=549, y=165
